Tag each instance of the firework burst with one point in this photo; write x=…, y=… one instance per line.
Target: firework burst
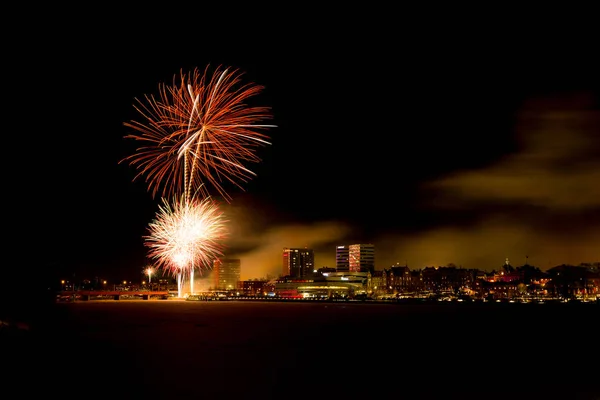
x=198, y=134
x=187, y=235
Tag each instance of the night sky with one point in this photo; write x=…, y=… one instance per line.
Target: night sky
x=443, y=143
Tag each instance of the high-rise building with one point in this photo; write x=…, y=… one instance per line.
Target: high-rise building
x=361, y=257
x=341, y=259
x=226, y=273
x=298, y=263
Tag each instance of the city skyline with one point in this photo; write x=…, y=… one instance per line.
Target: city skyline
x=498, y=266
x=435, y=152
x=209, y=275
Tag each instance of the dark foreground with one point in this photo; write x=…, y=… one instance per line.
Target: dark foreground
x=248, y=350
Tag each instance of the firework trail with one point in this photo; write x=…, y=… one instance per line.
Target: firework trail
x=149, y=271
x=198, y=134
x=186, y=235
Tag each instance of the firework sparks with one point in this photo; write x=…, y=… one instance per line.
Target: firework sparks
x=196, y=136
x=187, y=235
x=199, y=134
x=150, y=270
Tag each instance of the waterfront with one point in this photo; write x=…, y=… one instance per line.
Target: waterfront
x=236, y=349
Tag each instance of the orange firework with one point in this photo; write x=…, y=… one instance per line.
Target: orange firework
x=199, y=134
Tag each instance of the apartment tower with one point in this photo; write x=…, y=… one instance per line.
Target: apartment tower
x=226, y=273
x=361, y=257
x=298, y=263
x=342, y=263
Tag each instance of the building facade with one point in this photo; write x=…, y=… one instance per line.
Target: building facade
x=341, y=259
x=226, y=273
x=297, y=262
x=361, y=257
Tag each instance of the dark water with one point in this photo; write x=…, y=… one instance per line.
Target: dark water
x=252, y=350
